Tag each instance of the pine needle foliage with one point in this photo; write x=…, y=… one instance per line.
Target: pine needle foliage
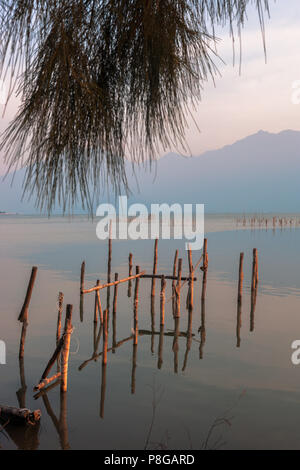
x=102, y=79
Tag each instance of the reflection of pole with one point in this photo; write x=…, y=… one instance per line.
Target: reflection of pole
x=204, y=269
x=105, y=339
x=103, y=390
x=160, y=347
x=136, y=303
x=173, y=283
x=21, y=393
x=253, y=307
x=189, y=336
x=63, y=424
x=175, y=344
x=82, y=274
x=152, y=323
x=239, y=303
x=202, y=330
x=133, y=372
x=162, y=300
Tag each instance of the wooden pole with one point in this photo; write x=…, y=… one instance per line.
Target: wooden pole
x=254, y=270
x=59, y=316
x=24, y=312
x=174, y=284
x=154, y=267
x=105, y=338
x=241, y=278
x=58, y=328
x=96, y=307
x=136, y=303
x=191, y=282
x=66, y=349
x=23, y=335
x=130, y=274
x=178, y=288
x=115, y=312
x=162, y=301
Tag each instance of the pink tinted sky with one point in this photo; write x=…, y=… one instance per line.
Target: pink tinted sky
x=239, y=105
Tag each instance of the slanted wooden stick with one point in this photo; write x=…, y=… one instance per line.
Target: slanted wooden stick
x=46, y=382
x=111, y=284
x=254, y=270
x=162, y=301
x=99, y=307
x=154, y=268
x=66, y=349
x=136, y=304
x=24, y=312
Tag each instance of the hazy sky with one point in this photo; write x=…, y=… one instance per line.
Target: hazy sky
x=259, y=98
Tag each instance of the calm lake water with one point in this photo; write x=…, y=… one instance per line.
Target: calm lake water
x=204, y=391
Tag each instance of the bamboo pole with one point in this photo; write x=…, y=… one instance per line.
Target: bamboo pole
x=166, y=276
x=178, y=288
x=238, y=325
x=241, y=278
x=21, y=393
x=66, y=349
x=115, y=312
x=96, y=307
x=154, y=268
x=191, y=282
x=59, y=316
x=105, y=338
x=24, y=312
x=130, y=274
x=136, y=303
x=162, y=301
x=254, y=270
x=173, y=282
x=111, y=284
x=23, y=335
x=63, y=424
